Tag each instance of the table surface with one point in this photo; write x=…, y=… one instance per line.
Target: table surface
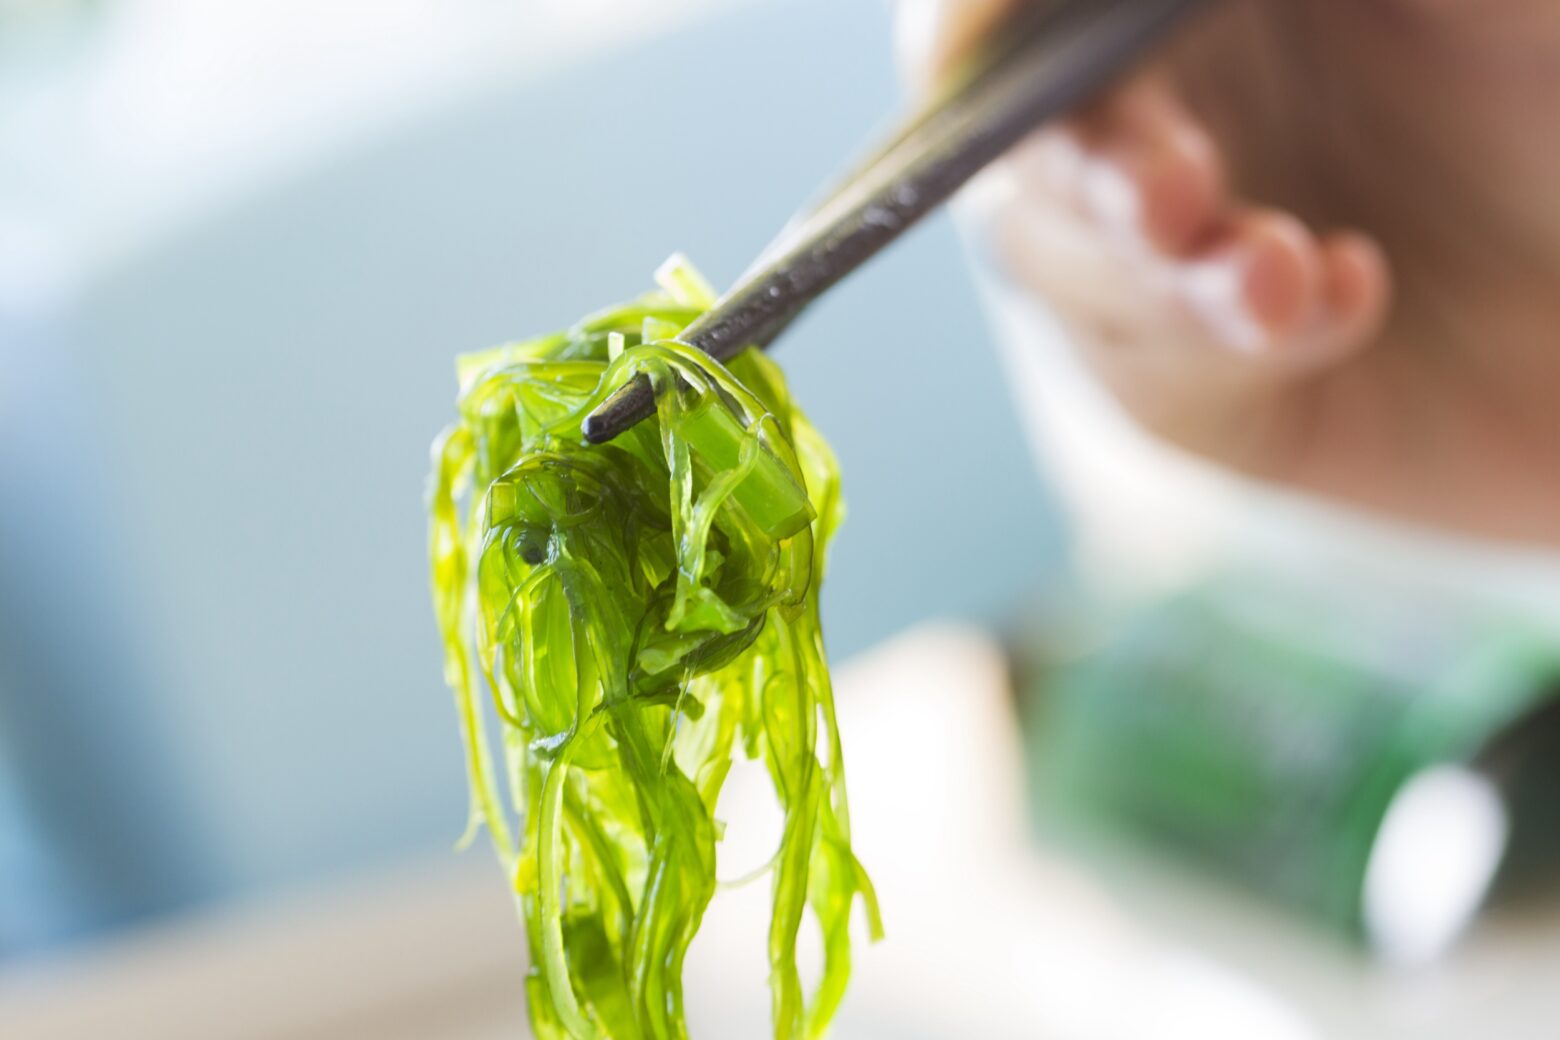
x=989, y=934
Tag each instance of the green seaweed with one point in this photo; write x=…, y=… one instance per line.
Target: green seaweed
x=641, y=612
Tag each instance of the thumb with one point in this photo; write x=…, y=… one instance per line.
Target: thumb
x=930, y=36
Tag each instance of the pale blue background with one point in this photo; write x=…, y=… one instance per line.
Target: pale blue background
x=220, y=669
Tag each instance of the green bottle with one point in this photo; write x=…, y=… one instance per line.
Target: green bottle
x=1358, y=767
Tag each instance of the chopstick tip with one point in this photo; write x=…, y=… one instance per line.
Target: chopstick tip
x=597, y=428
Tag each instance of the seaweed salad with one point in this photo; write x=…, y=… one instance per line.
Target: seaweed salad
x=640, y=613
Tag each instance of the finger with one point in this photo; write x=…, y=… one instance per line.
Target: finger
x=1151, y=172
x=1270, y=289
x=1137, y=165
x=1357, y=290
x=1259, y=285
x=1056, y=255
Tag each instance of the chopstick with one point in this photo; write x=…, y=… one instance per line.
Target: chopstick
x=1056, y=56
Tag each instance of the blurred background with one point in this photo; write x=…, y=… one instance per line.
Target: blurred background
x=1263, y=787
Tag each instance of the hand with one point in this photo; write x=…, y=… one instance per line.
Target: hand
x=1316, y=241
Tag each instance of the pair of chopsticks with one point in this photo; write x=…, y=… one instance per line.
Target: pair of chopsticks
x=1051, y=58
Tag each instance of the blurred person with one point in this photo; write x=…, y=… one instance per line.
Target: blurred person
x=1316, y=243
x=1303, y=417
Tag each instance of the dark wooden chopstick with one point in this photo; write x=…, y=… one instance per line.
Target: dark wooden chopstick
x=1054, y=59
